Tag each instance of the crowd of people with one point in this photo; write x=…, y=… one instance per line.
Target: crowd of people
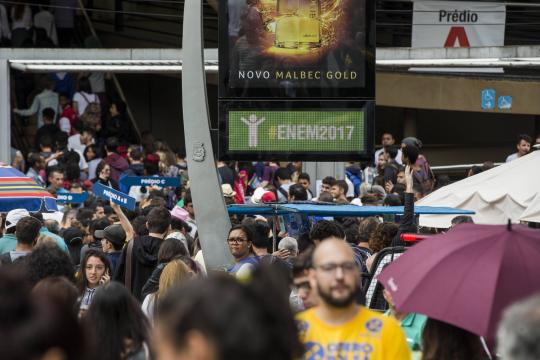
x=40, y=23
x=97, y=280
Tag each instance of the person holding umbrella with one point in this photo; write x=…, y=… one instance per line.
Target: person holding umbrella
x=467, y=276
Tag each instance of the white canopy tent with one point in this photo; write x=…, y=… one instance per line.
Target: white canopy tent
x=510, y=191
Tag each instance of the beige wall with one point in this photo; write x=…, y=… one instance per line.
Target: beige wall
x=445, y=113
x=443, y=92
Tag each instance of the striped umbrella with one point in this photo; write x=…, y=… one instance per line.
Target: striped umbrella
x=18, y=191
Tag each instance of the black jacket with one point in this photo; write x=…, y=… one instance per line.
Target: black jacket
x=152, y=285
x=143, y=263
x=407, y=223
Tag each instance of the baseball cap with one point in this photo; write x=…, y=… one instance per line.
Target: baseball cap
x=228, y=190
x=113, y=233
x=257, y=195
x=73, y=235
x=13, y=217
x=268, y=197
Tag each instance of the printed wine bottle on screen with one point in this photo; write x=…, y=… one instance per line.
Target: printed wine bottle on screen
x=298, y=24
x=310, y=24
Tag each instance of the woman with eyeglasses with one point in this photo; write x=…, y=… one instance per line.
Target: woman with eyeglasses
x=103, y=175
x=95, y=271
x=240, y=241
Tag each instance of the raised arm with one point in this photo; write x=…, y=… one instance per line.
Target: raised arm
x=31, y=110
x=124, y=222
x=407, y=224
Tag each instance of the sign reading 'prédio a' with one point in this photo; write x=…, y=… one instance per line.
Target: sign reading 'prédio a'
x=458, y=24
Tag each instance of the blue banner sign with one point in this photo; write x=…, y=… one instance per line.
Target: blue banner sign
x=113, y=195
x=75, y=198
x=150, y=181
x=489, y=99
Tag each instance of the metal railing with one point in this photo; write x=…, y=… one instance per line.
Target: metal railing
x=143, y=20
x=461, y=167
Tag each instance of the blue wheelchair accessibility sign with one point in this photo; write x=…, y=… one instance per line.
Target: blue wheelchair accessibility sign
x=505, y=102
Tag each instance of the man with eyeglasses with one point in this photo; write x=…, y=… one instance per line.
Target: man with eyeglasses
x=339, y=328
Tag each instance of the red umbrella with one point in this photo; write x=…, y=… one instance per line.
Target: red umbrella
x=467, y=276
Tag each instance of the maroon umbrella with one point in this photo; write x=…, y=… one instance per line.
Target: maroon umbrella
x=467, y=276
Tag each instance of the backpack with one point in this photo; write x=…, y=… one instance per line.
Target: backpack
x=91, y=117
x=423, y=174
x=356, y=181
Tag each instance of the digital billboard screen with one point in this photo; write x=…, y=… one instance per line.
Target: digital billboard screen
x=303, y=131
x=296, y=79
x=297, y=48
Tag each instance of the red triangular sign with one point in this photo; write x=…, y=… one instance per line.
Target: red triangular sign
x=457, y=33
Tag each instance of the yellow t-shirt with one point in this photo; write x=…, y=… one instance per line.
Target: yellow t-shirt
x=368, y=336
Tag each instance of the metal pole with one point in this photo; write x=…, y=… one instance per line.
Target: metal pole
x=211, y=213
x=5, y=113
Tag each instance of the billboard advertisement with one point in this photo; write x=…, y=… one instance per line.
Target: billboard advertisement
x=300, y=130
x=296, y=79
x=297, y=48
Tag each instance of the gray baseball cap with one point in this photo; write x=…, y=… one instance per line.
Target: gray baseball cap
x=114, y=233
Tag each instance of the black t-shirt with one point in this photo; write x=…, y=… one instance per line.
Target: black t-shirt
x=227, y=175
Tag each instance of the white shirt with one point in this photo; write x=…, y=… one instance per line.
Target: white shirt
x=74, y=142
x=79, y=97
x=350, y=190
x=380, y=151
x=147, y=307
x=282, y=197
x=512, y=157
x=25, y=22
x=45, y=20
x=97, y=82
x=4, y=23
x=199, y=258
x=65, y=125
x=92, y=166
x=45, y=99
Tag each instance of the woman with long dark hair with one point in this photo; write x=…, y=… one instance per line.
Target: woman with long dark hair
x=95, y=271
x=443, y=341
x=93, y=154
x=103, y=175
x=116, y=325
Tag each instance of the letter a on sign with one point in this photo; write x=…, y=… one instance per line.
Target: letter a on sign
x=457, y=33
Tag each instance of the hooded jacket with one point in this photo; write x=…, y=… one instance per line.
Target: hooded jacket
x=144, y=261
x=118, y=165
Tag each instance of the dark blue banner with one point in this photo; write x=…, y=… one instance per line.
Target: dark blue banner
x=115, y=196
x=150, y=181
x=75, y=198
